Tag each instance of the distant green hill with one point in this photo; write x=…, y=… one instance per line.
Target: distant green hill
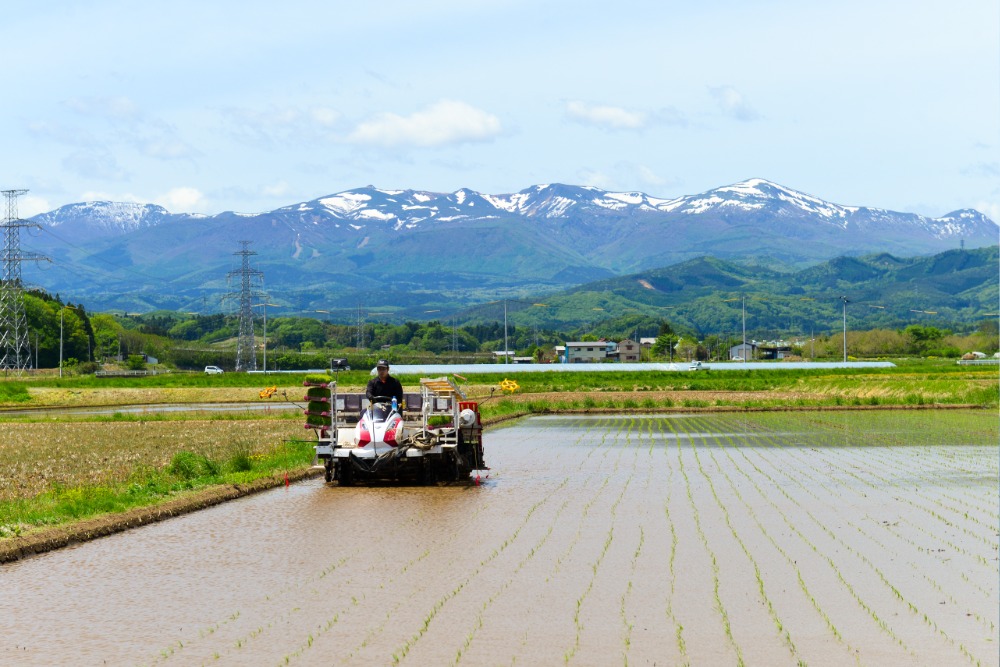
x=956, y=289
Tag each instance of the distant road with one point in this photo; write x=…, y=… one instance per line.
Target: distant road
x=439, y=369
x=153, y=408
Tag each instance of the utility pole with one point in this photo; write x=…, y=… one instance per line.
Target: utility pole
x=845, y=300
x=506, y=357
x=15, y=352
x=744, y=299
x=246, y=351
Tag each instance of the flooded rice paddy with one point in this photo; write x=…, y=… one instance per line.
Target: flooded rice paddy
x=716, y=539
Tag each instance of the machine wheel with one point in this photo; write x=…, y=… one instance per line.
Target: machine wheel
x=345, y=472
x=328, y=467
x=427, y=476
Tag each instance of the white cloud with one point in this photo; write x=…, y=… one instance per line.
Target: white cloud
x=596, y=179
x=626, y=177
x=121, y=108
x=983, y=169
x=167, y=148
x=61, y=133
x=615, y=118
x=97, y=195
x=732, y=103
x=181, y=200
x=324, y=116
x=119, y=121
x=178, y=200
x=647, y=176
x=278, y=126
x=990, y=209
x=444, y=123
x=278, y=189
x=96, y=164
x=29, y=206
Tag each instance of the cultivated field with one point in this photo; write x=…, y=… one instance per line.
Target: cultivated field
x=831, y=538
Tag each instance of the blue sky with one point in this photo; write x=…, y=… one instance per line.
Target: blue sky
x=206, y=106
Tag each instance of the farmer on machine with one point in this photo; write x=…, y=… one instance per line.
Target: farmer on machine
x=384, y=384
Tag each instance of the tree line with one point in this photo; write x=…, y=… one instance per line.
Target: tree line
x=192, y=341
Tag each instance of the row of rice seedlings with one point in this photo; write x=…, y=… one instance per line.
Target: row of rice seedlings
x=277, y=620
x=672, y=558
x=821, y=476
x=926, y=471
x=988, y=625
x=584, y=514
x=880, y=622
x=762, y=592
x=880, y=481
x=895, y=592
x=403, y=650
x=781, y=550
x=478, y=623
x=719, y=607
x=585, y=483
x=406, y=602
x=345, y=610
x=876, y=443
x=932, y=440
x=628, y=626
x=594, y=568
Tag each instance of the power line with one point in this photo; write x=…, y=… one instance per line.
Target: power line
x=15, y=353
x=362, y=316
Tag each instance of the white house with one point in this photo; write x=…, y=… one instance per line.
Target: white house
x=585, y=352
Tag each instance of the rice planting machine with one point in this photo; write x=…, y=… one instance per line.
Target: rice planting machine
x=435, y=436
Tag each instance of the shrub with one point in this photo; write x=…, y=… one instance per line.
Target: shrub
x=135, y=362
x=188, y=466
x=88, y=368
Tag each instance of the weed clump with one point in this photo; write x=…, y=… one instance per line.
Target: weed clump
x=188, y=466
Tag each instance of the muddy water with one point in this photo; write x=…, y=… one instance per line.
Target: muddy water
x=596, y=541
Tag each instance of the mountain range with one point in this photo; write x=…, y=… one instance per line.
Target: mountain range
x=953, y=289
x=409, y=251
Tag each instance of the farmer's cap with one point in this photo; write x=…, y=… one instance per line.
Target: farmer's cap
x=382, y=363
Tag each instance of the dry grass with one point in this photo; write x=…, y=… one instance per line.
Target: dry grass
x=62, y=397
x=39, y=456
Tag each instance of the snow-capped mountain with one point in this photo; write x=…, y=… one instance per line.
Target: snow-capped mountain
x=409, y=209
x=548, y=236
x=105, y=218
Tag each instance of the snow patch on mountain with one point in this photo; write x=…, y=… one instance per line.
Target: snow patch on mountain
x=106, y=216
x=345, y=203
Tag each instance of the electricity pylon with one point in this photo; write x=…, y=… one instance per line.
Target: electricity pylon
x=246, y=350
x=15, y=353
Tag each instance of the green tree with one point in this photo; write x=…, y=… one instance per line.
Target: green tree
x=921, y=338
x=664, y=345
x=135, y=362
